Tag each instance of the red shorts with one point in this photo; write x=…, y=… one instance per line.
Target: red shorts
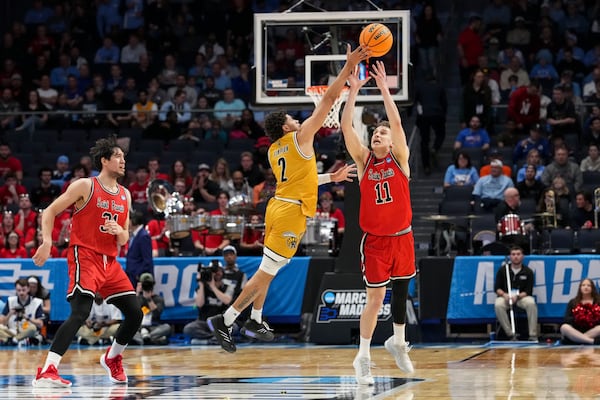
x=92, y=272
x=385, y=258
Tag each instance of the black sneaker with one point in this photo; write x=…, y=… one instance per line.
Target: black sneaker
x=254, y=330
x=222, y=332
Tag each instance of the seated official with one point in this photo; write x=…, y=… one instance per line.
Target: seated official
x=521, y=285
x=582, y=317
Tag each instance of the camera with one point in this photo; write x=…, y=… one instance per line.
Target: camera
x=205, y=272
x=19, y=312
x=147, y=286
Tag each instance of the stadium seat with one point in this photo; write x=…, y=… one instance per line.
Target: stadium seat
x=458, y=193
x=558, y=241
x=588, y=241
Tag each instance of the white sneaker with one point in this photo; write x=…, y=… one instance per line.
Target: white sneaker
x=400, y=354
x=362, y=369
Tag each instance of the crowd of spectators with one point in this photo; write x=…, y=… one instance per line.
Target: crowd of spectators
x=530, y=111
x=174, y=72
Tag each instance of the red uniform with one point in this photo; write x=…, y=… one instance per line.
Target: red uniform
x=92, y=251
x=387, y=246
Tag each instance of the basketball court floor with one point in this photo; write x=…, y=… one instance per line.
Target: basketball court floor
x=485, y=371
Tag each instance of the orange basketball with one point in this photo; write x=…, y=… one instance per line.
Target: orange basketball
x=378, y=38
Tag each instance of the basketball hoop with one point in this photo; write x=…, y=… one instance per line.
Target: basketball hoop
x=333, y=116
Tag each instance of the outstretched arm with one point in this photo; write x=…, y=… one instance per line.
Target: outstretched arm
x=399, y=145
x=313, y=123
x=358, y=151
x=345, y=173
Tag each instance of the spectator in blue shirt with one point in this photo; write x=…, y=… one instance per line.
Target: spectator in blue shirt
x=58, y=75
x=473, y=136
x=108, y=53
x=545, y=73
x=180, y=106
x=134, y=14
x=489, y=190
x=461, y=173
x=535, y=140
x=534, y=159
x=37, y=14
x=108, y=15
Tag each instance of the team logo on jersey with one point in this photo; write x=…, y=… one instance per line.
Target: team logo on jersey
x=388, y=160
x=122, y=197
x=291, y=240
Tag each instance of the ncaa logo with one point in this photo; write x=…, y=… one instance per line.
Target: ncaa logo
x=329, y=297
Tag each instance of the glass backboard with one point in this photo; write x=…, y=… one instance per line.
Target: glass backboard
x=296, y=50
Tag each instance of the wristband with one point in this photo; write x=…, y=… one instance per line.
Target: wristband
x=323, y=178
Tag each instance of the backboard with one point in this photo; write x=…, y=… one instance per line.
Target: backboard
x=296, y=50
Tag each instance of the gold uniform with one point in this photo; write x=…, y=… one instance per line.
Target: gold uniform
x=295, y=195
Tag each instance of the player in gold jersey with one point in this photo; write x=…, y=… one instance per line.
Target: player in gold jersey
x=292, y=159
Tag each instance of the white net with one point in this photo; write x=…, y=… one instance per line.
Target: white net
x=333, y=116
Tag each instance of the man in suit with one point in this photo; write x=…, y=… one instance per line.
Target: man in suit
x=139, y=253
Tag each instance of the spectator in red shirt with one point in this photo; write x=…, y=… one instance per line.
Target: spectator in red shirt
x=154, y=170
x=524, y=106
x=470, y=47
x=11, y=190
x=138, y=187
x=25, y=218
x=9, y=163
x=7, y=226
x=12, y=247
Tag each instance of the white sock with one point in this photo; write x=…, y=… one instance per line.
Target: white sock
x=115, y=349
x=230, y=316
x=52, y=359
x=256, y=315
x=399, y=335
x=364, y=348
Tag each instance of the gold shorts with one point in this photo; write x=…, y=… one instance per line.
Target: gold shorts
x=284, y=226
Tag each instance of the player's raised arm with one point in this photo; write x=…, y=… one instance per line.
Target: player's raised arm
x=358, y=151
x=313, y=123
x=399, y=147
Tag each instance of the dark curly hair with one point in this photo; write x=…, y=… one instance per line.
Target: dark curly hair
x=273, y=123
x=104, y=148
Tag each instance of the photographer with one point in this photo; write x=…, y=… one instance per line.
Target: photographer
x=103, y=322
x=213, y=296
x=151, y=330
x=22, y=317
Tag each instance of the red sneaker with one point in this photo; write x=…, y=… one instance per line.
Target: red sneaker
x=114, y=367
x=49, y=378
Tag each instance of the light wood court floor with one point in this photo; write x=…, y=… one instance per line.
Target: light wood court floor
x=314, y=372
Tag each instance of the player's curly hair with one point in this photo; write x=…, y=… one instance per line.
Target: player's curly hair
x=104, y=148
x=273, y=123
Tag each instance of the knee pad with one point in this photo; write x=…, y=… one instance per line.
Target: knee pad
x=271, y=262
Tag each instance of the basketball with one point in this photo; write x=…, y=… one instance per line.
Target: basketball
x=378, y=38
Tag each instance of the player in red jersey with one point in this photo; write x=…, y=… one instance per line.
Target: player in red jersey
x=100, y=223
x=387, y=245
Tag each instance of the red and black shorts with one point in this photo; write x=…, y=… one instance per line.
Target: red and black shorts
x=385, y=258
x=92, y=272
